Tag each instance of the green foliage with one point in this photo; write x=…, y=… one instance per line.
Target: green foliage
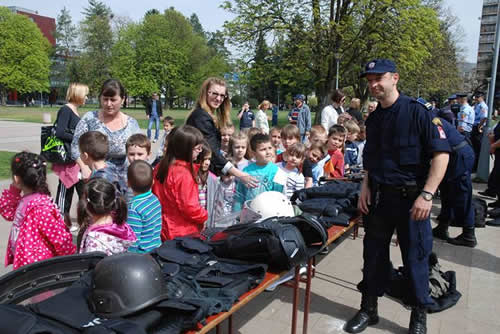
x=24, y=55
x=66, y=34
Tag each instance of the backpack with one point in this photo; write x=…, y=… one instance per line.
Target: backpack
x=480, y=210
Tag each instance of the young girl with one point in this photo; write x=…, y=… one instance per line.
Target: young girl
x=102, y=216
x=225, y=138
x=38, y=231
x=261, y=118
x=207, y=182
x=175, y=185
x=224, y=200
x=238, y=148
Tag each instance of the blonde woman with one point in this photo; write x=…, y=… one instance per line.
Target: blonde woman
x=261, y=118
x=210, y=114
x=67, y=119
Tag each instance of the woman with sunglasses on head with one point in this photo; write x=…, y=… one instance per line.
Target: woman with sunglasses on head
x=210, y=114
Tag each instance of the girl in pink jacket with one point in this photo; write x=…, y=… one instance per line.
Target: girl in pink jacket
x=38, y=231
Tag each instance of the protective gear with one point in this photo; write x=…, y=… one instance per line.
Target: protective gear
x=366, y=316
x=126, y=283
x=299, y=97
x=418, y=321
x=265, y=205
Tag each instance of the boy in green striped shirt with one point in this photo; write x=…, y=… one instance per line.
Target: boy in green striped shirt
x=144, y=210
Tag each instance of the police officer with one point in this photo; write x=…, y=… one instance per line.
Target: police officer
x=456, y=187
x=446, y=112
x=480, y=118
x=397, y=193
x=465, y=118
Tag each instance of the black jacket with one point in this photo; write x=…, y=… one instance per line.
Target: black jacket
x=149, y=105
x=201, y=120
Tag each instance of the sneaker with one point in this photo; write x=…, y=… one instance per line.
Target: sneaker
x=155, y=140
x=495, y=204
x=74, y=229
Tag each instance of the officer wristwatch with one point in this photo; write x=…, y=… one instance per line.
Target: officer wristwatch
x=427, y=195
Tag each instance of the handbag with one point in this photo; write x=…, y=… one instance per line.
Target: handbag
x=53, y=149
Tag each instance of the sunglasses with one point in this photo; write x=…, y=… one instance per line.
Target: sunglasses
x=214, y=94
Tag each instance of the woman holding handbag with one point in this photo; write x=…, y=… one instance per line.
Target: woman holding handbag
x=67, y=119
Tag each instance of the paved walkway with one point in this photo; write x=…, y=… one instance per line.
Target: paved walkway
x=334, y=295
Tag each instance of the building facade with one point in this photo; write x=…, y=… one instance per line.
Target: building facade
x=489, y=20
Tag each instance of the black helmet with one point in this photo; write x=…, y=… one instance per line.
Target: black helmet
x=126, y=283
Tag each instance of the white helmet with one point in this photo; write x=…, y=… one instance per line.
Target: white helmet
x=265, y=205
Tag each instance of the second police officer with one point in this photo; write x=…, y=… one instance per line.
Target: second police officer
x=397, y=194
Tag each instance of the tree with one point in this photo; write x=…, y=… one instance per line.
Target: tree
x=65, y=34
x=195, y=23
x=24, y=55
x=97, y=40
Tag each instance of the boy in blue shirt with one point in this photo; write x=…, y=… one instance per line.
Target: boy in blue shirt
x=351, y=149
x=270, y=177
x=144, y=210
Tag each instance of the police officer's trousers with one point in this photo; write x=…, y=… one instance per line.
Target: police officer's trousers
x=391, y=211
x=494, y=179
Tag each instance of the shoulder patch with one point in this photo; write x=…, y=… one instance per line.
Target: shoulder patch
x=424, y=103
x=437, y=121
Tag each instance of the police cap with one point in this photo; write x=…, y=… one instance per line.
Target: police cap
x=479, y=94
x=452, y=97
x=379, y=66
x=462, y=94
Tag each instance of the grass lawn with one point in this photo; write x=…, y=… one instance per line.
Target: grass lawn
x=5, y=158
x=35, y=114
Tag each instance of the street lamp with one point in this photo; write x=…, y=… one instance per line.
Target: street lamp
x=337, y=56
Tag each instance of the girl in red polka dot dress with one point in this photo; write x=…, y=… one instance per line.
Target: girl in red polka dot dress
x=38, y=231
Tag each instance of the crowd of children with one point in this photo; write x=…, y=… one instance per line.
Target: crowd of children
x=175, y=195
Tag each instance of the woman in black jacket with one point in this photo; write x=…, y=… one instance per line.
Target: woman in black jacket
x=211, y=113
x=67, y=119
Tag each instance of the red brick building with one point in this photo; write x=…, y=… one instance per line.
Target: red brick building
x=47, y=25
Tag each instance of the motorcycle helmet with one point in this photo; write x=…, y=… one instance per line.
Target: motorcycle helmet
x=126, y=283
x=265, y=205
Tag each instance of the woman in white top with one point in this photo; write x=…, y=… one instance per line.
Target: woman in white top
x=261, y=118
x=330, y=113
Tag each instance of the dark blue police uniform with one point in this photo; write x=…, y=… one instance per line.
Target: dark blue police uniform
x=456, y=187
x=494, y=179
x=400, y=141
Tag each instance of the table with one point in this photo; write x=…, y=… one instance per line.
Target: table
x=214, y=321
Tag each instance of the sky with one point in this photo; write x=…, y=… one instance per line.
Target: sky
x=212, y=17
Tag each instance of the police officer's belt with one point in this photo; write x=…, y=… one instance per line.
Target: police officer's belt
x=390, y=188
x=459, y=146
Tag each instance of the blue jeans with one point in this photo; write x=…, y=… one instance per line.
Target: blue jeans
x=152, y=118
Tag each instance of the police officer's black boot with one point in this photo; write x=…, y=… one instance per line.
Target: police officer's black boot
x=441, y=231
x=367, y=315
x=467, y=238
x=418, y=321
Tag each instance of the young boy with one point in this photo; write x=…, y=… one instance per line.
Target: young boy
x=138, y=147
x=351, y=151
x=144, y=210
x=269, y=175
x=294, y=156
x=360, y=142
x=94, y=147
x=334, y=168
x=318, y=135
x=225, y=137
x=314, y=163
x=275, y=134
x=289, y=135
x=168, y=125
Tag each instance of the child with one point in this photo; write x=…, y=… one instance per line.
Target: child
x=225, y=135
x=360, y=142
x=138, y=147
x=351, y=149
x=94, y=147
x=144, y=210
x=275, y=134
x=224, y=200
x=252, y=132
x=269, y=175
x=294, y=156
x=38, y=231
x=174, y=184
x=102, y=217
x=238, y=149
x=334, y=168
x=207, y=182
x=289, y=135
x=261, y=118
x=318, y=135
x=168, y=125
x=314, y=163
